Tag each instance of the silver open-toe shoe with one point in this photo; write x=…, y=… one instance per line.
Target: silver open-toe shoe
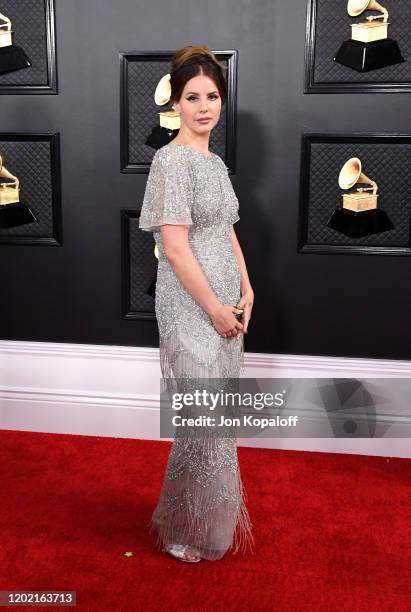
x=182, y=552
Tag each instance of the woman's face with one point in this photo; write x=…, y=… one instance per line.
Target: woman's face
x=200, y=99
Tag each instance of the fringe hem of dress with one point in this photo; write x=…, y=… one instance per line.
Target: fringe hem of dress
x=195, y=526
x=194, y=531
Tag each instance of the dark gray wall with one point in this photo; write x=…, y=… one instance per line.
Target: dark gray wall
x=341, y=305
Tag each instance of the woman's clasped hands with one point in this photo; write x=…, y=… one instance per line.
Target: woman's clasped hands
x=225, y=320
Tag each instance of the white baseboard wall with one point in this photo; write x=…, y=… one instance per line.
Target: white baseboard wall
x=99, y=390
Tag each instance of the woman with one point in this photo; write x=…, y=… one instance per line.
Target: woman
x=203, y=306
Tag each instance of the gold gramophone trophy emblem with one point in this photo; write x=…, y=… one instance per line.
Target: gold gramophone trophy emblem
x=169, y=123
x=359, y=215
x=370, y=46
x=12, y=57
x=351, y=174
x=12, y=212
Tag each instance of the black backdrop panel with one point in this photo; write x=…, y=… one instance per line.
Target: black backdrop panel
x=139, y=268
x=33, y=23
x=73, y=294
x=329, y=25
x=385, y=159
x=35, y=160
x=140, y=74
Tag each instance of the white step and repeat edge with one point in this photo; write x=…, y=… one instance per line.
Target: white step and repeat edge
x=100, y=390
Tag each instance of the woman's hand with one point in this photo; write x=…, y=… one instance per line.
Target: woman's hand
x=246, y=303
x=225, y=321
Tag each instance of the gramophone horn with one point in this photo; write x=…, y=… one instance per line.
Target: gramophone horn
x=356, y=7
x=350, y=172
x=162, y=93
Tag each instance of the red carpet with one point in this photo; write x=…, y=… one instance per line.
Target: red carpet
x=332, y=531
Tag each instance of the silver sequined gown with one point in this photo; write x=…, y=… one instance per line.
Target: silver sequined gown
x=202, y=501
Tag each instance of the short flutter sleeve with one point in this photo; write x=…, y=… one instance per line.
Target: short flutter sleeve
x=169, y=192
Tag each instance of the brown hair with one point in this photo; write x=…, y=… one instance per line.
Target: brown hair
x=190, y=61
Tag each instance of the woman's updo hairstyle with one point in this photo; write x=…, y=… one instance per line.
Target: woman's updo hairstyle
x=190, y=61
